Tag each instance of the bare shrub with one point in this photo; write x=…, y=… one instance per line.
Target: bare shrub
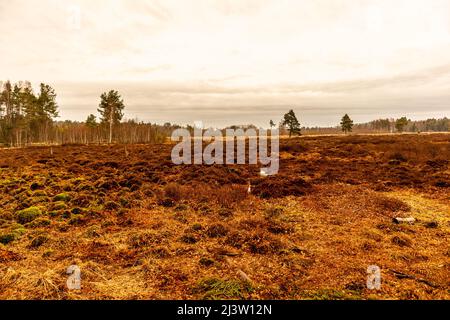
x=391, y=205
x=173, y=191
x=281, y=186
x=217, y=231
x=230, y=195
x=226, y=196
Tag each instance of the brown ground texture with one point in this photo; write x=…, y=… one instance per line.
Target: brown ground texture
x=140, y=227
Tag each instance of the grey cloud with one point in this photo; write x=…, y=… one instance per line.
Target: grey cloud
x=211, y=88
x=403, y=81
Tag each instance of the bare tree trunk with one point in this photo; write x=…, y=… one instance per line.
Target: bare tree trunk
x=110, y=124
x=110, y=131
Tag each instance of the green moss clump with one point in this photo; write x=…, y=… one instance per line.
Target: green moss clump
x=217, y=289
x=12, y=235
x=38, y=223
x=20, y=231
x=16, y=226
x=331, y=294
x=85, y=187
x=37, y=200
x=28, y=215
x=39, y=193
x=5, y=182
x=65, y=197
x=7, y=237
x=54, y=214
x=59, y=205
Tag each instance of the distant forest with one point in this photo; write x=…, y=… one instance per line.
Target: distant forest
x=29, y=117
x=387, y=126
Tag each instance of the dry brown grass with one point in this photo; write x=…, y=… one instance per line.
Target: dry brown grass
x=142, y=228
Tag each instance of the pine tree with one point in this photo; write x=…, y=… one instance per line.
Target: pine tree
x=91, y=121
x=110, y=109
x=290, y=120
x=401, y=123
x=12, y=122
x=346, y=124
x=6, y=100
x=40, y=110
x=47, y=106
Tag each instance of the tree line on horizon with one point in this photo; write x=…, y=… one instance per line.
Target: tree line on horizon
x=399, y=125
x=30, y=117
x=290, y=125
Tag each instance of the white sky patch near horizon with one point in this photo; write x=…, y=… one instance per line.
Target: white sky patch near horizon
x=198, y=53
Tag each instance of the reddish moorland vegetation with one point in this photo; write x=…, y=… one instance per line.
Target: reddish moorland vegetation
x=140, y=227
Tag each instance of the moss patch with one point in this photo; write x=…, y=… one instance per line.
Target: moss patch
x=65, y=197
x=215, y=289
x=28, y=215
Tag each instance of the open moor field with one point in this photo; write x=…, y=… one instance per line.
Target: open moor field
x=140, y=227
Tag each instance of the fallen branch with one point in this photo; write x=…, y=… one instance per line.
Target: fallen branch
x=402, y=275
x=224, y=252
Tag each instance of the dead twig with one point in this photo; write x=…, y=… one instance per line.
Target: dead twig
x=402, y=275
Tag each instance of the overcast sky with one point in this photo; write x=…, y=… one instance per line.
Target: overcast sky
x=234, y=61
